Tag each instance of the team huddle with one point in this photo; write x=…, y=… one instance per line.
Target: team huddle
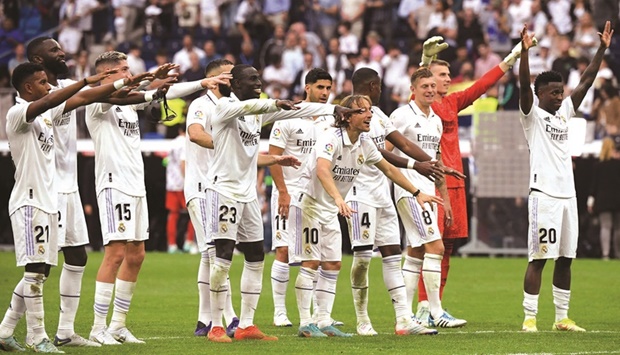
x=326, y=160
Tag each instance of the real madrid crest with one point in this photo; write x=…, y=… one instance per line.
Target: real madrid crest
x=278, y=235
x=41, y=250
x=431, y=231
x=121, y=227
x=308, y=250
x=366, y=234
x=544, y=249
x=224, y=228
x=360, y=159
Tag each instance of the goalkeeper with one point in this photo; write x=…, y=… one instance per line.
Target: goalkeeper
x=447, y=107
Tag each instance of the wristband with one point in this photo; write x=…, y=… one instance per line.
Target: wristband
x=410, y=163
x=415, y=194
x=119, y=84
x=148, y=96
x=85, y=82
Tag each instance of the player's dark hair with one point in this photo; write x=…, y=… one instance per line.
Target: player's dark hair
x=343, y=121
x=238, y=69
x=546, y=77
x=34, y=47
x=23, y=72
x=363, y=77
x=421, y=74
x=215, y=64
x=316, y=74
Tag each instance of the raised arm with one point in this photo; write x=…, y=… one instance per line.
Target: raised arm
x=399, y=179
x=428, y=169
x=526, y=98
x=86, y=97
x=588, y=76
x=59, y=96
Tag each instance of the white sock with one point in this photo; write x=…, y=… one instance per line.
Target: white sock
x=325, y=295
x=15, y=312
x=251, y=287
x=315, y=306
x=229, y=311
x=103, y=297
x=561, y=298
x=33, y=298
x=219, y=289
x=530, y=305
x=395, y=284
x=122, y=300
x=412, y=267
x=304, y=292
x=359, y=284
x=431, y=272
x=204, y=295
x=70, y=288
x=279, y=284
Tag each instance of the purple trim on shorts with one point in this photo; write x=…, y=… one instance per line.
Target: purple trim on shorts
x=416, y=216
x=534, y=218
x=355, y=222
x=110, y=209
x=28, y=228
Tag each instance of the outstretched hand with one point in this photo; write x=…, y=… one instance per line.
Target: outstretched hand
x=423, y=198
x=432, y=46
x=527, y=39
x=214, y=81
x=430, y=169
x=287, y=105
x=607, y=34
x=344, y=209
x=136, y=79
x=287, y=160
x=341, y=111
x=94, y=79
x=163, y=71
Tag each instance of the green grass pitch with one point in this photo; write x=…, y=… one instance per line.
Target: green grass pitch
x=485, y=291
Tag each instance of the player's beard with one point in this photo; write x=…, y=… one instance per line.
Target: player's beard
x=55, y=66
x=224, y=90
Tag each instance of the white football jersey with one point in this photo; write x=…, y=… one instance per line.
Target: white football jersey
x=174, y=175
x=115, y=131
x=236, y=134
x=347, y=160
x=372, y=186
x=65, y=143
x=198, y=159
x=551, y=167
x=425, y=131
x=32, y=151
x=297, y=137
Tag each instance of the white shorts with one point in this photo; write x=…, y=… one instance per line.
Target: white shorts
x=233, y=220
x=198, y=214
x=72, y=230
x=553, y=227
x=312, y=240
x=35, y=233
x=279, y=231
x=420, y=225
x=373, y=226
x=123, y=217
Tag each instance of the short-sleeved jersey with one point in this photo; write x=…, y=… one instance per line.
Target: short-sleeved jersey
x=551, y=168
x=297, y=137
x=65, y=143
x=174, y=175
x=347, y=160
x=236, y=135
x=32, y=151
x=371, y=186
x=115, y=131
x=198, y=159
x=425, y=131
